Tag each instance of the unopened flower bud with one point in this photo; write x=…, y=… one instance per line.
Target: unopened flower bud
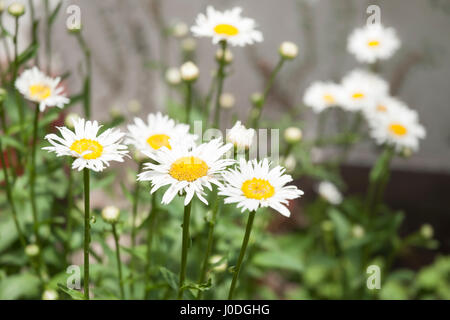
x=290, y=163
x=115, y=112
x=16, y=9
x=227, y=100
x=50, y=294
x=32, y=250
x=288, y=50
x=256, y=99
x=2, y=6
x=406, y=152
x=427, y=231
x=110, y=214
x=358, y=231
x=180, y=30
x=189, y=71
x=134, y=106
x=327, y=225
x=215, y=260
x=70, y=120
x=173, y=76
x=293, y=135
x=188, y=44
x=228, y=55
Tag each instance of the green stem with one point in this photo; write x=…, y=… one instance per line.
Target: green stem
x=32, y=177
x=69, y=213
x=5, y=42
x=188, y=101
x=184, y=252
x=3, y=124
x=255, y=113
x=15, y=71
x=220, y=79
x=87, y=79
x=150, y=235
x=206, y=106
x=133, y=227
x=87, y=236
x=34, y=28
x=248, y=231
x=10, y=198
x=119, y=262
x=48, y=38
x=209, y=246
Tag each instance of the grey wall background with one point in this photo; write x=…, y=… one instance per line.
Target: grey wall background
x=125, y=36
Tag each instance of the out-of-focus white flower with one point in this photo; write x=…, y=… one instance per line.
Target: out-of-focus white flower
x=16, y=9
x=228, y=26
x=227, y=100
x=111, y=214
x=186, y=168
x=219, y=267
x=91, y=151
x=288, y=50
x=240, y=136
x=322, y=95
x=293, y=135
x=290, y=163
x=373, y=42
x=427, y=231
x=180, y=29
x=32, y=250
x=399, y=128
x=253, y=185
x=361, y=89
x=382, y=106
x=189, y=71
x=36, y=86
x=173, y=76
x=329, y=192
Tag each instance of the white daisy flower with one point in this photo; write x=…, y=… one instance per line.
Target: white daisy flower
x=361, y=89
x=156, y=133
x=322, y=95
x=228, y=26
x=253, y=185
x=186, y=169
x=373, y=42
x=399, y=128
x=329, y=192
x=240, y=136
x=383, y=105
x=37, y=87
x=92, y=151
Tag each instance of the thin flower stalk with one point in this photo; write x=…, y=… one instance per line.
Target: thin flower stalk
x=220, y=80
x=150, y=237
x=119, y=261
x=87, y=231
x=184, y=252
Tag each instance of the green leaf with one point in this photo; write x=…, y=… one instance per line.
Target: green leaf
x=52, y=17
x=169, y=277
x=343, y=226
x=198, y=287
x=278, y=260
x=22, y=286
x=74, y=294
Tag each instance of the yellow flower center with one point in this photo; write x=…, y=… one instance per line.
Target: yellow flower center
x=226, y=29
x=157, y=141
x=188, y=169
x=329, y=98
x=258, y=189
x=398, y=129
x=40, y=91
x=358, y=95
x=81, y=146
x=373, y=43
x=381, y=108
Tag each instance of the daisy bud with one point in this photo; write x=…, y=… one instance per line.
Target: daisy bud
x=115, y=112
x=227, y=101
x=329, y=192
x=327, y=225
x=139, y=157
x=173, y=76
x=290, y=163
x=50, y=294
x=16, y=9
x=256, y=99
x=189, y=71
x=70, y=119
x=288, y=50
x=427, y=231
x=188, y=45
x=220, y=267
x=134, y=106
x=293, y=135
x=74, y=29
x=3, y=94
x=358, y=231
x=110, y=214
x=2, y=6
x=406, y=152
x=228, y=55
x=32, y=250
x=180, y=30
